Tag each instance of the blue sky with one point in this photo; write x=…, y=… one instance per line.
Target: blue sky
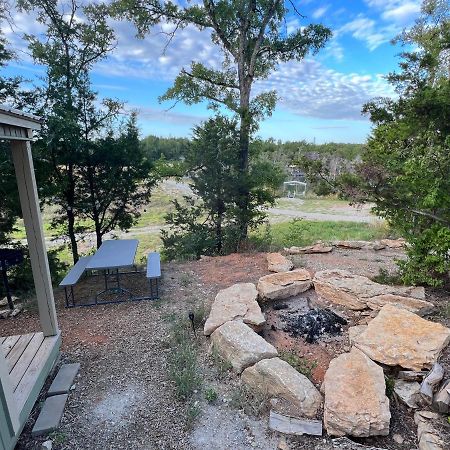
x=320, y=97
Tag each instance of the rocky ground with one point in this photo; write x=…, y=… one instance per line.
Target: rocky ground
x=123, y=397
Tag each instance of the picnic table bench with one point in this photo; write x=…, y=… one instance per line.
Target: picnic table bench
x=72, y=278
x=109, y=259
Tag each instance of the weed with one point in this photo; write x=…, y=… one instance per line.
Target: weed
x=185, y=279
x=210, y=395
x=58, y=437
x=183, y=367
x=301, y=365
x=222, y=365
x=390, y=383
x=295, y=233
x=385, y=277
x=192, y=413
x=252, y=402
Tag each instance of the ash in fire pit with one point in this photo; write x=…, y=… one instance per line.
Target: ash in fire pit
x=314, y=324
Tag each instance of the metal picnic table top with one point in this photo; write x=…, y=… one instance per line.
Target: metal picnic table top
x=114, y=254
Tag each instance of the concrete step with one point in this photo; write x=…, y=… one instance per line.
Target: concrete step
x=64, y=379
x=50, y=415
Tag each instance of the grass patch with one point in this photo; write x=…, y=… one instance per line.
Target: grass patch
x=386, y=277
x=301, y=365
x=222, y=365
x=183, y=364
x=211, y=395
x=252, y=402
x=301, y=232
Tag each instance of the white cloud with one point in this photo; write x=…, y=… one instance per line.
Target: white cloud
x=368, y=30
x=402, y=12
x=310, y=89
x=319, y=12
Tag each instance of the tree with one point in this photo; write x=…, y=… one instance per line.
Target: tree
x=406, y=164
x=253, y=39
x=208, y=221
x=115, y=181
x=76, y=37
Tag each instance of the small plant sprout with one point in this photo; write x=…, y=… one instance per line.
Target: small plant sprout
x=210, y=395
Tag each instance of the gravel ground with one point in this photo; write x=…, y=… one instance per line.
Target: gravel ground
x=123, y=397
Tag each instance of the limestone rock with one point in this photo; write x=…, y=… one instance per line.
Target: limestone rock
x=355, y=331
x=399, y=337
x=393, y=243
x=238, y=302
x=357, y=292
x=240, y=345
x=284, y=285
x=310, y=249
x=427, y=435
x=355, y=398
x=355, y=245
x=408, y=392
x=279, y=263
x=279, y=379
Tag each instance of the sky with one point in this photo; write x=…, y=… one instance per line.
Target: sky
x=320, y=98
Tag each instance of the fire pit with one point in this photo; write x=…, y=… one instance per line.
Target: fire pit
x=314, y=324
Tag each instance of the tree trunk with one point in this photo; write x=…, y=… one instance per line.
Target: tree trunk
x=70, y=198
x=244, y=143
x=98, y=233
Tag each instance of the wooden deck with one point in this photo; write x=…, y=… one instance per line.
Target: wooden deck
x=27, y=357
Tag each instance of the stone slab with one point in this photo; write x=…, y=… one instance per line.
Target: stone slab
x=64, y=379
x=50, y=415
x=294, y=426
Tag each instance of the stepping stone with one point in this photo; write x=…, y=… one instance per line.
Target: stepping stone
x=50, y=415
x=64, y=379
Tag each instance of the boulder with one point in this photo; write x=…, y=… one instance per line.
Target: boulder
x=238, y=302
x=310, y=249
x=355, y=331
x=284, y=285
x=357, y=292
x=240, y=345
x=398, y=337
x=408, y=392
x=427, y=434
x=279, y=263
x=279, y=379
x=393, y=243
x=355, y=398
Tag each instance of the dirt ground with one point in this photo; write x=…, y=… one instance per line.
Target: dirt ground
x=123, y=397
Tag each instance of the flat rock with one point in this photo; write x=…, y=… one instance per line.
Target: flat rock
x=240, y=345
x=397, y=337
x=355, y=398
x=408, y=392
x=310, y=249
x=279, y=263
x=278, y=379
x=357, y=292
x=344, y=443
x=284, y=285
x=50, y=415
x=355, y=331
x=355, y=245
x=238, y=302
x=293, y=425
x=64, y=379
x=393, y=243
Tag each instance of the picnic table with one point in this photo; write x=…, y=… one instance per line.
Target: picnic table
x=109, y=260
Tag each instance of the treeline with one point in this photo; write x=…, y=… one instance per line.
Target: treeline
x=278, y=152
